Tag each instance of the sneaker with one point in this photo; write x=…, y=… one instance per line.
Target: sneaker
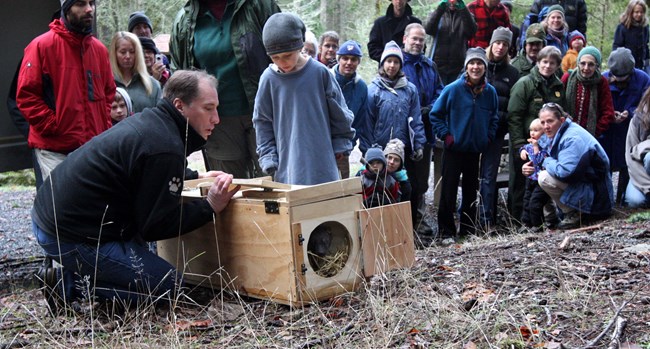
x=571, y=221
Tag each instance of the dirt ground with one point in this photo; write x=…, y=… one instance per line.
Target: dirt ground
x=571, y=289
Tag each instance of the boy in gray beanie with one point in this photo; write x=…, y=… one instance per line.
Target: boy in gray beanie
x=301, y=120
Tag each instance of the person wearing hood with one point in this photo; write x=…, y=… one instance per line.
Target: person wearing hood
x=466, y=117
x=502, y=75
x=355, y=91
x=393, y=108
x=390, y=27
x=65, y=71
x=122, y=106
x=127, y=190
x=627, y=85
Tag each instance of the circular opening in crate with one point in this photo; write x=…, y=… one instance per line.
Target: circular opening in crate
x=328, y=248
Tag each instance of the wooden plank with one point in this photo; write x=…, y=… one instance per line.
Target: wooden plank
x=387, y=238
x=247, y=251
x=260, y=182
x=325, y=191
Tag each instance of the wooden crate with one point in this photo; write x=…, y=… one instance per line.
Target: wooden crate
x=277, y=244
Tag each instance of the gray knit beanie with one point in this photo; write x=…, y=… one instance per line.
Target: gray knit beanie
x=475, y=53
x=395, y=146
x=392, y=49
x=621, y=62
x=138, y=17
x=283, y=32
x=501, y=34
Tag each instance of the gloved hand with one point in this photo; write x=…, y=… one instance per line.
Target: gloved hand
x=417, y=155
x=646, y=162
x=449, y=140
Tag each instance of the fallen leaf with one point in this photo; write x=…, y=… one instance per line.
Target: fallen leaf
x=413, y=331
x=553, y=345
x=526, y=332
x=470, y=345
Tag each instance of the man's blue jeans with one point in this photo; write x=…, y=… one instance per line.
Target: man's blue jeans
x=125, y=270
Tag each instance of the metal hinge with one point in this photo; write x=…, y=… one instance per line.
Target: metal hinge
x=300, y=239
x=303, y=268
x=271, y=207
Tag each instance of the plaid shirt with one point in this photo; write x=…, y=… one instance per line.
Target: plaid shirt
x=487, y=20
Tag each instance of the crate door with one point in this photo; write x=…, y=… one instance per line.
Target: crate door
x=387, y=238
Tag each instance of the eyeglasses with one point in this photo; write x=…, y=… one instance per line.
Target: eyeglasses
x=587, y=64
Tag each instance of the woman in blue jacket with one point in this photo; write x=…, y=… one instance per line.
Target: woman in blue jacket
x=393, y=108
x=576, y=174
x=465, y=117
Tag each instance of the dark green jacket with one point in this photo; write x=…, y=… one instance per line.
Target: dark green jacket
x=246, y=37
x=526, y=99
x=522, y=63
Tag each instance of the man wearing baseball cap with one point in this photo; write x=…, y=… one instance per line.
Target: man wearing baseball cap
x=355, y=91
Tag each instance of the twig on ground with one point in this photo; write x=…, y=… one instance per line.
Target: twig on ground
x=549, y=317
x=618, y=332
x=585, y=229
x=565, y=242
x=609, y=325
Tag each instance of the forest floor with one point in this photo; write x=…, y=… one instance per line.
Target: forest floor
x=586, y=288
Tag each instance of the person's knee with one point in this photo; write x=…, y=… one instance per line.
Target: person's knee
x=634, y=197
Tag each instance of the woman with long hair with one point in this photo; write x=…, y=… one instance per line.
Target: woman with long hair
x=633, y=32
x=588, y=98
x=556, y=28
x=130, y=71
x=637, y=155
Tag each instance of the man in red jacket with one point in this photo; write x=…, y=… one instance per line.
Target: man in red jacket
x=65, y=85
x=489, y=15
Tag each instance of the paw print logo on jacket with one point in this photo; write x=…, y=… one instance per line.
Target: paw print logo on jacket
x=175, y=186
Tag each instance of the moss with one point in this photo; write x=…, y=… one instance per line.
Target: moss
x=18, y=178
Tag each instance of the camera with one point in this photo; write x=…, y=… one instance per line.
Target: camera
x=159, y=57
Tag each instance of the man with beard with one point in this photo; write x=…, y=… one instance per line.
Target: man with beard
x=423, y=73
x=65, y=86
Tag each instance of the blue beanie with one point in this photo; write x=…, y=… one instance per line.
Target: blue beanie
x=375, y=154
x=350, y=48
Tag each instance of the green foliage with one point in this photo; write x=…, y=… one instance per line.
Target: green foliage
x=18, y=178
x=639, y=217
x=113, y=15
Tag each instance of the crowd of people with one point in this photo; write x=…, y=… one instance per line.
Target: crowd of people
x=260, y=94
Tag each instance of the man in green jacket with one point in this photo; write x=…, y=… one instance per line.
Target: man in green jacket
x=527, y=57
x=527, y=97
x=224, y=37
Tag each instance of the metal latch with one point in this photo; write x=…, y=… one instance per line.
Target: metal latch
x=300, y=239
x=303, y=268
x=271, y=207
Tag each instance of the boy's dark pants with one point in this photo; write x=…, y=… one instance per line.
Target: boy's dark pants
x=455, y=163
x=534, y=200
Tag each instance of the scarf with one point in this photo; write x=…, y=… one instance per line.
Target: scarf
x=575, y=109
x=557, y=35
x=392, y=84
x=476, y=89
